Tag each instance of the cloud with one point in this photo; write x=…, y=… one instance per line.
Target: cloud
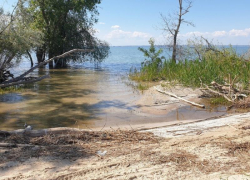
x=140, y=34
x=115, y=27
x=102, y=23
x=195, y=33
x=118, y=34
x=235, y=32
x=120, y=37
x=231, y=33
x=219, y=33
x=234, y=36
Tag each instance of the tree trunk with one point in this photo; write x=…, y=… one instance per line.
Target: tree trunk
x=174, y=49
x=51, y=55
x=40, y=55
x=21, y=80
x=61, y=63
x=176, y=32
x=31, y=60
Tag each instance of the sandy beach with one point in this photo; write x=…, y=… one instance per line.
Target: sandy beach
x=217, y=148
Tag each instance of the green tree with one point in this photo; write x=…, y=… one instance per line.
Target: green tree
x=17, y=38
x=153, y=62
x=67, y=24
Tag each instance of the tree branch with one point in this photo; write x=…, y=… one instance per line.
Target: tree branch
x=11, y=18
x=24, y=81
x=45, y=62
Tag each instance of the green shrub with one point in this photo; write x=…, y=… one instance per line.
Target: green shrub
x=212, y=65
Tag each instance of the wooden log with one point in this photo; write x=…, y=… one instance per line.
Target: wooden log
x=218, y=93
x=24, y=82
x=177, y=97
x=8, y=145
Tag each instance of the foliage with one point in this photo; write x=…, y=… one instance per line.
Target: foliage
x=142, y=87
x=68, y=25
x=11, y=89
x=153, y=63
x=17, y=37
x=214, y=65
x=219, y=101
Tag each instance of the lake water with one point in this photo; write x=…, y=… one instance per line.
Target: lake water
x=88, y=96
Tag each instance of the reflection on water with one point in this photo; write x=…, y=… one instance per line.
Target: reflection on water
x=87, y=98
x=82, y=98
x=70, y=96
x=11, y=98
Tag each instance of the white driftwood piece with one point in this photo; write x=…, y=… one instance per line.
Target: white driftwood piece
x=177, y=97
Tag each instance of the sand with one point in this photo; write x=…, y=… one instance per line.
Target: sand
x=217, y=148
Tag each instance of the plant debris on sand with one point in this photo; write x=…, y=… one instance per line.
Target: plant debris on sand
x=219, y=153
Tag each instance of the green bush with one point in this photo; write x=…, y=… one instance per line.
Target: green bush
x=213, y=65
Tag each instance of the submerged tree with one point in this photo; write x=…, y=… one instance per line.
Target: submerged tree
x=172, y=25
x=67, y=25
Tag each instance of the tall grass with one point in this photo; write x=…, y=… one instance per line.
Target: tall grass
x=214, y=66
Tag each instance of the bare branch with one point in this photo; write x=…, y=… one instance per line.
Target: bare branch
x=24, y=81
x=188, y=22
x=186, y=10
x=166, y=21
x=172, y=26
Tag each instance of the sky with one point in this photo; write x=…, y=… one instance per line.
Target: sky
x=134, y=22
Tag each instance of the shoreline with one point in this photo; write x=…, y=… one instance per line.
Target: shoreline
x=129, y=154
x=210, y=148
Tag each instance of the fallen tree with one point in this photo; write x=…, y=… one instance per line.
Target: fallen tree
x=22, y=80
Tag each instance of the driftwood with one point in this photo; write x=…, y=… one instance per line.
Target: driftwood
x=42, y=132
x=218, y=93
x=228, y=91
x=24, y=81
x=177, y=97
x=20, y=79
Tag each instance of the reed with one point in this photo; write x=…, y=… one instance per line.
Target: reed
x=214, y=66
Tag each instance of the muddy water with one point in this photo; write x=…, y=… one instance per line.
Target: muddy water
x=88, y=99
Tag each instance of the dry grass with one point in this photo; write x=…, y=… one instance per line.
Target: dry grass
x=72, y=145
x=245, y=103
x=134, y=155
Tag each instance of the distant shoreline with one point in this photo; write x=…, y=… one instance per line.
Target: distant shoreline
x=181, y=45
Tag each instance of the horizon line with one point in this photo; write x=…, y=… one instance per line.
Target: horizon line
x=181, y=45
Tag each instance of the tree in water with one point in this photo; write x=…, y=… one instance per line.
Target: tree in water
x=67, y=24
x=172, y=25
x=17, y=39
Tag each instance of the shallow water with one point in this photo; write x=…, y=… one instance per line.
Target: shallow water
x=83, y=98
x=88, y=96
